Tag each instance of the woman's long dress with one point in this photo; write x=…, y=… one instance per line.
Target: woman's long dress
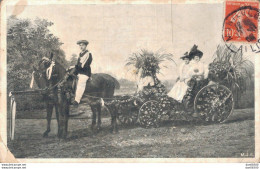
x=179, y=89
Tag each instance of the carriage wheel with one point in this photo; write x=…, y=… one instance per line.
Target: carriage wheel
x=149, y=114
x=128, y=117
x=214, y=103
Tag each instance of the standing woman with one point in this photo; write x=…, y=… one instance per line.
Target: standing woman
x=179, y=89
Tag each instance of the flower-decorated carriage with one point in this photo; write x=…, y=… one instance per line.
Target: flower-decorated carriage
x=213, y=103
x=207, y=100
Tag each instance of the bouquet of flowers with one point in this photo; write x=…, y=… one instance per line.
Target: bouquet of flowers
x=219, y=70
x=230, y=68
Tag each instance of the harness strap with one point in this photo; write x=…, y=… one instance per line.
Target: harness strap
x=31, y=84
x=49, y=70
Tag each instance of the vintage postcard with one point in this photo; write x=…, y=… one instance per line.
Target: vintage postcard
x=129, y=81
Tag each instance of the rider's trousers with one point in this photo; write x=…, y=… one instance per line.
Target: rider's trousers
x=82, y=80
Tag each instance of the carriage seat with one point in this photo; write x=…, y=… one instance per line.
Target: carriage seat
x=195, y=84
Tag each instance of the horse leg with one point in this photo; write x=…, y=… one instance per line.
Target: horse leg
x=115, y=122
x=112, y=117
x=58, y=121
x=93, y=109
x=64, y=126
x=99, y=117
x=49, y=108
x=113, y=110
x=115, y=115
x=63, y=122
x=66, y=121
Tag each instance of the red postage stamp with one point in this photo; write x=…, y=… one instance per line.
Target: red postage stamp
x=241, y=21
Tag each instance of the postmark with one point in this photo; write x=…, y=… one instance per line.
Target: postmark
x=240, y=26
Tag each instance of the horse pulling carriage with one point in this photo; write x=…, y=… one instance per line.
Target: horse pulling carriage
x=209, y=99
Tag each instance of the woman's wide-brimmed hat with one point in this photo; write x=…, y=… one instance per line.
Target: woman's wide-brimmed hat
x=186, y=56
x=195, y=52
x=82, y=41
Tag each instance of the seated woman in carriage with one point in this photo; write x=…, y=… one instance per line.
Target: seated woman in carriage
x=192, y=69
x=181, y=86
x=192, y=77
x=199, y=70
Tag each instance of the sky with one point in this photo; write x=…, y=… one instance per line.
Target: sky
x=115, y=31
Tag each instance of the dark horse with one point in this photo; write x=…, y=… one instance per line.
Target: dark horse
x=59, y=86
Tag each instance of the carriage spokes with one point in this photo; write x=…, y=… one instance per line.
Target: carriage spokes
x=214, y=103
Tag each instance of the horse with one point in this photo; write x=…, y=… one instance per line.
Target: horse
x=58, y=82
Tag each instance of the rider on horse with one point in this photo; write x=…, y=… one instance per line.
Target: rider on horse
x=82, y=70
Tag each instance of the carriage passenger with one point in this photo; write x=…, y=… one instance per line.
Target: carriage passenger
x=143, y=81
x=199, y=72
x=199, y=69
x=179, y=89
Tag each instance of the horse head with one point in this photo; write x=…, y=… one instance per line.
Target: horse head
x=43, y=72
x=39, y=76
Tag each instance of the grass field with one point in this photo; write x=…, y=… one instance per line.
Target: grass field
x=173, y=139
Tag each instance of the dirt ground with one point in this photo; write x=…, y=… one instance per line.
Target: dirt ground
x=234, y=138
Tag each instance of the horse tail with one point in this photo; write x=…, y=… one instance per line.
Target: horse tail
x=117, y=85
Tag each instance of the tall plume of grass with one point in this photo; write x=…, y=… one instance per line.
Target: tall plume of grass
x=149, y=62
x=231, y=69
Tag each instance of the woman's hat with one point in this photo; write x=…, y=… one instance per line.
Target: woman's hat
x=186, y=56
x=195, y=52
x=82, y=41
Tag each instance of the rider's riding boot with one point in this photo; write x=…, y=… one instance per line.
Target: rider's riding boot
x=75, y=103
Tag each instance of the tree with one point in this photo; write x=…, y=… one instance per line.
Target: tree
x=73, y=60
x=28, y=41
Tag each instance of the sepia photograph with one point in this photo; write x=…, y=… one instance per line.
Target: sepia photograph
x=147, y=80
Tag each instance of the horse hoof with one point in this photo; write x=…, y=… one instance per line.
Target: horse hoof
x=45, y=134
x=62, y=140
x=98, y=128
x=115, y=132
x=92, y=127
x=62, y=137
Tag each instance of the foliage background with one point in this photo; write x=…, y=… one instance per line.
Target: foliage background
x=28, y=41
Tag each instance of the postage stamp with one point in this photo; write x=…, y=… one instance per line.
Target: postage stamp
x=241, y=21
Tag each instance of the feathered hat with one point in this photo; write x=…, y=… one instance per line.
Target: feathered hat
x=186, y=56
x=195, y=52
